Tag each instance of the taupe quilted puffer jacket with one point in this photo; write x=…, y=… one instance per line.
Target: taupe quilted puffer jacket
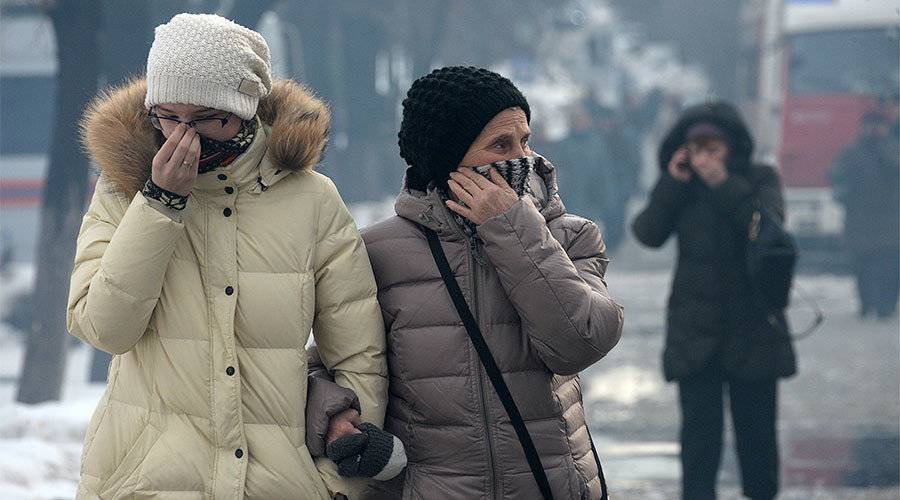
x=535, y=284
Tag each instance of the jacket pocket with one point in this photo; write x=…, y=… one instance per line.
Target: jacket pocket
x=117, y=483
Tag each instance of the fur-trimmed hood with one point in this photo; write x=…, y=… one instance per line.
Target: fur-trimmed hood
x=721, y=114
x=122, y=143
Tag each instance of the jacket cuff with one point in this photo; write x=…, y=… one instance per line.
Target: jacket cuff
x=324, y=399
x=172, y=213
x=732, y=193
x=170, y=204
x=521, y=214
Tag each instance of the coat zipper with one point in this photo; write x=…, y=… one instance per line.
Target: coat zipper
x=473, y=265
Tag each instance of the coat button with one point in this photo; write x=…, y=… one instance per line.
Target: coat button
x=222, y=177
x=239, y=453
x=229, y=290
x=229, y=190
x=227, y=212
x=229, y=371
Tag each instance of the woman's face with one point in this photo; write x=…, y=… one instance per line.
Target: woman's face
x=715, y=148
x=211, y=123
x=505, y=137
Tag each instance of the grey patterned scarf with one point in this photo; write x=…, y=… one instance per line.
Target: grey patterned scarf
x=521, y=176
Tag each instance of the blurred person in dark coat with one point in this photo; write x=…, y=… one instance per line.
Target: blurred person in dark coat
x=866, y=180
x=601, y=169
x=717, y=338
x=623, y=140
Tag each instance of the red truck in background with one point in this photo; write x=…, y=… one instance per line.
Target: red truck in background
x=824, y=63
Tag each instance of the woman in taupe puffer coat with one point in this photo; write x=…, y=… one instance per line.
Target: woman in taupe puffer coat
x=532, y=276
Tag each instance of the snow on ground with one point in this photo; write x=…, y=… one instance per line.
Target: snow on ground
x=40, y=445
x=40, y=448
x=15, y=283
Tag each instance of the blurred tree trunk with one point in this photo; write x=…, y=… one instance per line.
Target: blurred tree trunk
x=76, y=23
x=125, y=40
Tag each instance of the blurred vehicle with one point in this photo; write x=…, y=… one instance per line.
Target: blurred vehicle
x=28, y=70
x=824, y=64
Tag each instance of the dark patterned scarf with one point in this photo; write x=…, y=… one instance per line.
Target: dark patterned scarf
x=215, y=154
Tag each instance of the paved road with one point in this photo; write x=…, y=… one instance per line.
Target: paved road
x=839, y=417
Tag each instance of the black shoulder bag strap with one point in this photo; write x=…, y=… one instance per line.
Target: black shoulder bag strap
x=493, y=372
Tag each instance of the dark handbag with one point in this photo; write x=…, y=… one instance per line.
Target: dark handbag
x=771, y=258
x=493, y=372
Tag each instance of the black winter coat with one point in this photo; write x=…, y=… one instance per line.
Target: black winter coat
x=866, y=179
x=712, y=318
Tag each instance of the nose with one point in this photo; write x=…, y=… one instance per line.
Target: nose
x=519, y=151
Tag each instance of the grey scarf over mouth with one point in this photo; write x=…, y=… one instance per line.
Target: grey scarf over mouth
x=522, y=177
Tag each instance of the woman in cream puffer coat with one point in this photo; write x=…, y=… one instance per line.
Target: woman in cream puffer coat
x=208, y=308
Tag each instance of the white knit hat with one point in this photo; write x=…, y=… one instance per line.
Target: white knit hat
x=207, y=60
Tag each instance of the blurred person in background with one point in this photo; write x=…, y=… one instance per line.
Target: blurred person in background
x=210, y=250
x=600, y=168
x=866, y=180
x=586, y=157
x=623, y=140
x=717, y=338
x=532, y=277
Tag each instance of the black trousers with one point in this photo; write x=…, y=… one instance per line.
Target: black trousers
x=753, y=413
x=878, y=280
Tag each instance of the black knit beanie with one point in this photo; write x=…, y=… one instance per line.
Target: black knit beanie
x=443, y=113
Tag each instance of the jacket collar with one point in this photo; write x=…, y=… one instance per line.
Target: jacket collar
x=122, y=143
x=247, y=171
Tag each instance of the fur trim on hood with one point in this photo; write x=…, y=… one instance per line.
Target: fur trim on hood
x=122, y=143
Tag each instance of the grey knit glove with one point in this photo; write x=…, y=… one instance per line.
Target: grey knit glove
x=372, y=453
